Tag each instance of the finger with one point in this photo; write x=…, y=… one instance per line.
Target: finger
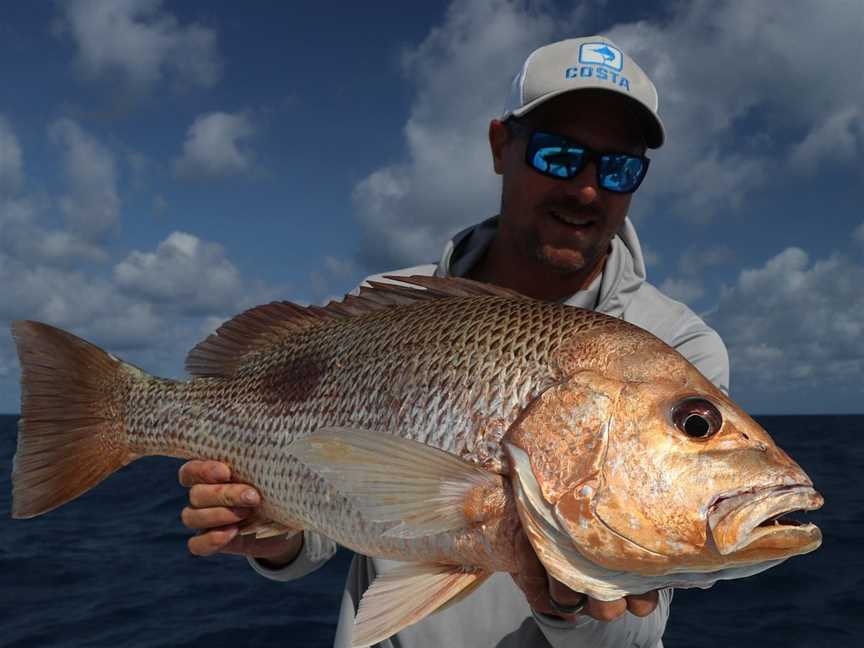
x=532, y=579
x=210, y=518
x=530, y=566
x=203, y=472
x=530, y=576
x=207, y=495
x=642, y=604
x=213, y=541
x=605, y=610
x=564, y=595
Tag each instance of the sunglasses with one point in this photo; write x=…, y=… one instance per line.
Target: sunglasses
x=558, y=157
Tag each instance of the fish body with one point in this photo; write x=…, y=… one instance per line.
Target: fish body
x=431, y=426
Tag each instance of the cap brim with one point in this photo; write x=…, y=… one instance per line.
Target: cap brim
x=655, y=134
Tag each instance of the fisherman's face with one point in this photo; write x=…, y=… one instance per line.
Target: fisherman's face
x=534, y=206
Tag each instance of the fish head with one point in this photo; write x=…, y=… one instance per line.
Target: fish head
x=679, y=478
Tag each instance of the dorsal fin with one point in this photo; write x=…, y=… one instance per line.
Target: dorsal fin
x=454, y=286
x=257, y=328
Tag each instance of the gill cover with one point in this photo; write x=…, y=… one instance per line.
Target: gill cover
x=557, y=449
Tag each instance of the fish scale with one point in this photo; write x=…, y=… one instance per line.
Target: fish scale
x=408, y=389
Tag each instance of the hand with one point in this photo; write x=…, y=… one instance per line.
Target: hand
x=217, y=506
x=538, y=587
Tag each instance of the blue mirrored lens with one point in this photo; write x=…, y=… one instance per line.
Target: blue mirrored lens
x=620, y=173
x=555, y=158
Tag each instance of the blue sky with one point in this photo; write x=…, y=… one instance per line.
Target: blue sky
x=164, y=165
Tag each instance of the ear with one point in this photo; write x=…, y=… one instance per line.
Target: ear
x=499, y=137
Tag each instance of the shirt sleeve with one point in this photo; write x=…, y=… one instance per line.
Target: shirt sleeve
x=705, y=350
x=627, y=630
x=316, y=550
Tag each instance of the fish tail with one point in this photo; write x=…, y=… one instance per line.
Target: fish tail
x=71, y=433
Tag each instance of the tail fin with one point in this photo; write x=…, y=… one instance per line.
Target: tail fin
x=71, y=434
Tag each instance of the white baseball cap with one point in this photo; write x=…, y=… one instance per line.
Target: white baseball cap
x=593, y=62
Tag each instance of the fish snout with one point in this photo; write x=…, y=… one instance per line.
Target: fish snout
x=756, y=522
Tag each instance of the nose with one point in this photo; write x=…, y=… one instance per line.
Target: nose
x=584, y=185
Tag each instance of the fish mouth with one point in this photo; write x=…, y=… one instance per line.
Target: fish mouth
x=756, y=522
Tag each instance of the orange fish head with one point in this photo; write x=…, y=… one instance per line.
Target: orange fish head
x=688, y=480
x=648, y=468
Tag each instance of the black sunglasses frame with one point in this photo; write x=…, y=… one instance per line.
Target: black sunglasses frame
x=590, y=155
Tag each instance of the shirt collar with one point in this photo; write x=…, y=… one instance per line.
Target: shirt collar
x=465, y=249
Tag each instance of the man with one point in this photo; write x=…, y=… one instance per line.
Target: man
x=570, y=150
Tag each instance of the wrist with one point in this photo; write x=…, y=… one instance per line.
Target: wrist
x=284, y=558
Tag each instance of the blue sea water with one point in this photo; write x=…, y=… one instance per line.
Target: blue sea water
x=111, y=569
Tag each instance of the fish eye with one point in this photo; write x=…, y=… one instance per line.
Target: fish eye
x=697, y=418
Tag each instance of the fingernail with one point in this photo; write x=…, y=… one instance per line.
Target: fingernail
x=220, y=473
x=250, y=497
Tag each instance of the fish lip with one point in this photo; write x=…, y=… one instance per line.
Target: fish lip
x=727, y=503
x=754, y=506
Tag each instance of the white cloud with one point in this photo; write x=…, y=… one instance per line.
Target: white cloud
x=812, y=314
x=60, y=296
x=216, y=146
x=91, y=206
x=839, y=137
x=21, y=234
x=140, y=42
x=334, y=280
x=185, y=273
x=684, y=290
x=22, y=237
x=57, y=247
x=11, y=165
x=722, y=181
x=695, y=260
x=689, y=286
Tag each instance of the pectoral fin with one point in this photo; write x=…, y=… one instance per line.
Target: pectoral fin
x=393, y=479
x=263, y=528
x=406, y=595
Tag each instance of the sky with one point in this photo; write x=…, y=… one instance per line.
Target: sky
x=165, y=165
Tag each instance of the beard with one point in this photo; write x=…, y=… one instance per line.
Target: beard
x=566, y=252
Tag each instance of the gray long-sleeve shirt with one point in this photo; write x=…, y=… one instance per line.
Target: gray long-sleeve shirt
x=497, y=614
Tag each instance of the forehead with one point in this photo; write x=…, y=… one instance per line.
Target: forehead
x=602, y=120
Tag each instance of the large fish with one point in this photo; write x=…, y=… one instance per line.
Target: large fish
x=427, y=426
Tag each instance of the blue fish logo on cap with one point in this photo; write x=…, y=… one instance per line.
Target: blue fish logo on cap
x=601, y=53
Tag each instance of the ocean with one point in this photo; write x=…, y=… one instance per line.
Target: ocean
x=111, y=569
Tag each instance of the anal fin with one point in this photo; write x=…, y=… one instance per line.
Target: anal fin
x=407, y=594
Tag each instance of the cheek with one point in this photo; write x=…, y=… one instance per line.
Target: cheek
x=616, y=209
x=522, y=190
